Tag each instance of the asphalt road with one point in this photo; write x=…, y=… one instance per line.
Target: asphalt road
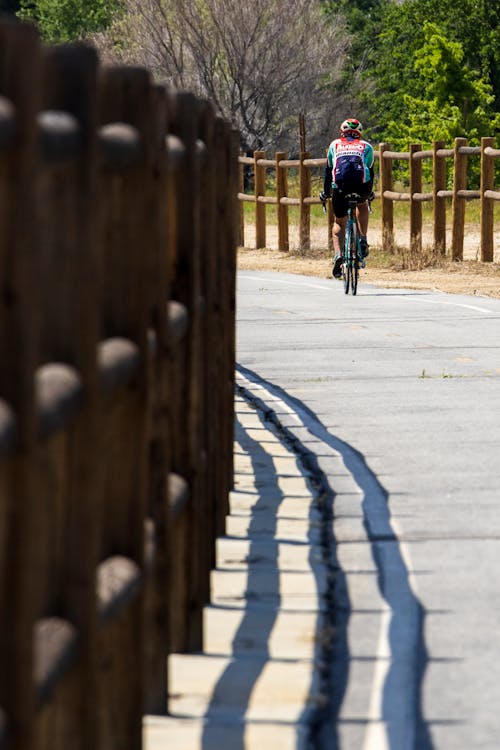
x=397, y=393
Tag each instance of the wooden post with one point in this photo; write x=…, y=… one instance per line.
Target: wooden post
x=387, y=207
x=415, y=205
x=67, y=232
x=231, y=267
x=282, y=209
x=126, y=246
x=304, y=208
x=439, y=204
x=260, y=208
x=221, y=509
x=331, y=219
x=158, y=522
x=302, y=132
x=458, y=206
x=187, y=444
x=20, y=82
x=241, y=206
x=487, y=183
x=209, y=257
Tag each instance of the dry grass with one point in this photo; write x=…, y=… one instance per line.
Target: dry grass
x=403, y=269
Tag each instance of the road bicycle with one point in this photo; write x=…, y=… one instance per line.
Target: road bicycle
x=352, y=256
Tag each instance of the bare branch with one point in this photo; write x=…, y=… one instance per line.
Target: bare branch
x=260, y=62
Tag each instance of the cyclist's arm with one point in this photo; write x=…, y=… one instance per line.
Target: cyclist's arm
x=368, y=160
x=369, y=156
x=328, y=181
x=327, y=184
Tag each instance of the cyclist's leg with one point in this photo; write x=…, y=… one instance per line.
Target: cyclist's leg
x=363, y=212
x=340, y=207
x=363, y=216
x=338, y=234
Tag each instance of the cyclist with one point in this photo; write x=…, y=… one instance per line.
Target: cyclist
x=349, y=169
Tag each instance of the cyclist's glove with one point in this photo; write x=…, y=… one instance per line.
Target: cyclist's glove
x=371, y=197
x=323, y=197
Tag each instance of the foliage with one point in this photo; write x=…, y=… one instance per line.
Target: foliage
x=67, y=20
x=450, y=104
x=260, y=66
x=435, y=79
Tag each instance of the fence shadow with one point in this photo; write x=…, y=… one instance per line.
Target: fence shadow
x=401, y=708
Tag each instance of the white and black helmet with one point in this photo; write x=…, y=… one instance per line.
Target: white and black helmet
x=351, y=127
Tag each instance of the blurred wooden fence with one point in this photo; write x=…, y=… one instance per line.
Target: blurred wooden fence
x=459, y=195
x=117, y=267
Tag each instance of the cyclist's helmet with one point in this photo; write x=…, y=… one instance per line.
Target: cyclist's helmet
x=351, y=127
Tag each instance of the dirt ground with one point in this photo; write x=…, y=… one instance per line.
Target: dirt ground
x=466, y=277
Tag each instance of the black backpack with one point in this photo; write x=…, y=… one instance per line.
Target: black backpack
x=349, y=173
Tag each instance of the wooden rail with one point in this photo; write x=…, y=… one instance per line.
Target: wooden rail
x=116, y=387
x=459, y=195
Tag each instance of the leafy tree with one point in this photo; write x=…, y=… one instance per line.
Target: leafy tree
x=455, y=101
x=67, y=20
x=260, y=64
x=403, y=51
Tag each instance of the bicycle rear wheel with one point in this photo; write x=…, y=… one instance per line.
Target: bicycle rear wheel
x=346, y=261
x=346, y=276
x=353, y=260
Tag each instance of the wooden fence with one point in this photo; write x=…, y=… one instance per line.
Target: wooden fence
x=459, y=195
x=118, y=226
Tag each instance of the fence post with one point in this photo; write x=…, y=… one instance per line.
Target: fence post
x=487, y=183
x=20, y=82
x=241, y=206
x=260, y=208
x=188, y=446
x=415, y=205
x=387, y=207
x=158, y=521
x=210, y=268
x=67, y=237
x=439, y=204
x=458, y=207
x=304, y=208
x=331, y=221
x=126, y=198
x=282, y=192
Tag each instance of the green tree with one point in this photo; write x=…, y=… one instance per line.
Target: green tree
x=395, y=76
x=67, y=20
x=453, y=100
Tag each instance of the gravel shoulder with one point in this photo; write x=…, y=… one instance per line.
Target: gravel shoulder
x=465, y=277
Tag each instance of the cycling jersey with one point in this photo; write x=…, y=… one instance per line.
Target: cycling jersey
x=347, y=149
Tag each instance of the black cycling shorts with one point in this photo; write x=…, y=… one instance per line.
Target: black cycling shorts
x=340, y=203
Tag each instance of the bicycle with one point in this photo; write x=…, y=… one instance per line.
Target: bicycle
x=352, y=257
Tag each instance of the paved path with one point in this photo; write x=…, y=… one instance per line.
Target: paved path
x=391, y=401
x=261, y=680
x=397, y=392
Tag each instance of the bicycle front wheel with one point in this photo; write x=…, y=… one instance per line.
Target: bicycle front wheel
x=354, y=280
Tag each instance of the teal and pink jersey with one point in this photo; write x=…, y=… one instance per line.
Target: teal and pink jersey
x=343, y=150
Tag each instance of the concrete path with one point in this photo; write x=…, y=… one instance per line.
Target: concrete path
x=397, y=394
x=262, y=679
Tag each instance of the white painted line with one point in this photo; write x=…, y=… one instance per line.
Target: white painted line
x=267, y=280
x=418, y=298
x=330, y=288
